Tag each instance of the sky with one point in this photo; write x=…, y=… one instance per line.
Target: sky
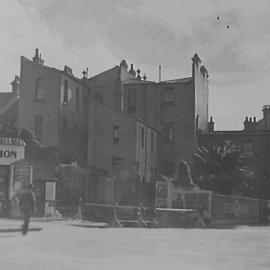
x=98, y=34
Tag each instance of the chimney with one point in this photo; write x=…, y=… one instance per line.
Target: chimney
x=144, y=77
x=204, y=71
x=124, y=64
x=37, y=58
x=68, y=70
x=159, y=73
x=16, y=85
x=211, y=125
x=266, y=117
x=250, y=125
x=132, y=71
x=195, y=65
x=196, y=59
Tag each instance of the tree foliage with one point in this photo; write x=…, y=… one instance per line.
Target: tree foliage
x=223, y=169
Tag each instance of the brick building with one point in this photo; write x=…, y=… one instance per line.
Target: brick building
x=53, y=105
x=121, y=127
x=176, y=109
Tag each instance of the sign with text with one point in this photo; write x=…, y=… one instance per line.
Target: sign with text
x=11, y=153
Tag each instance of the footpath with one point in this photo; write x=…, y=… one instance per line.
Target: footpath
x=14, y=225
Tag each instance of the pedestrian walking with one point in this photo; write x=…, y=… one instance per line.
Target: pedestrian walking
x=27, y=206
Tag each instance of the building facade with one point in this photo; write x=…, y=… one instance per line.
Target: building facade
x=53, y=105
x=121, y=127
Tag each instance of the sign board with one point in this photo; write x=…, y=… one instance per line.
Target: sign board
x=50, y=190
x=22, y=176
x=11, y=153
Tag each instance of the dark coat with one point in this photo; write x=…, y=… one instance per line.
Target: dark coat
x=27, y=201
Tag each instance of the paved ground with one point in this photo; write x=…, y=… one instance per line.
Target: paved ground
x=61, y=246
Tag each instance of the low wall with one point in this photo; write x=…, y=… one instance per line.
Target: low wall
x=234, y=210
x=224, y=209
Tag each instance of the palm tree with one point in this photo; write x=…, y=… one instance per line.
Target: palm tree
x=222, y=169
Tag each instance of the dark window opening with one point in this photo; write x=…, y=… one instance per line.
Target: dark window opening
x=168, y=133
x=115, y=134
x=132, y=99
x=99, y=98
x=168, y=169
x=152, y=142
x=66, y=92
x=39, y=92
x=142, y=137
x=4, y=181
x=38, y=127
x=64, y=125
x=78, y=99
x=169, y=96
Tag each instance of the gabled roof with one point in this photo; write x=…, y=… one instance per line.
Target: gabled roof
x=102, y=73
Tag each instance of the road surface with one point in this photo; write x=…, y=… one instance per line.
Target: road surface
x=60, y=246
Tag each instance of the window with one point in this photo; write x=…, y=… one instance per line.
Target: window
x=168, y=132
x=152, y=142
x=132, y=100
x=152, y=174
x=38, y=127
x=168, y=169
x=99, y=98
x=169, y=96
x=115, y=134
x=142, y=137
x=248, y=148
x=64, y=125
x=66, y=92
x=78, y=99
x=39, y=92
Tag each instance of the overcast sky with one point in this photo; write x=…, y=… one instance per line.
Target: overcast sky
x=98, y=34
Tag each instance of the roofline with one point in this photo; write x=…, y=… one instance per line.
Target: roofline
x=56, y=70
x=123, y=113
x=236, y=132
x=110, y=69
x=178, y=80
